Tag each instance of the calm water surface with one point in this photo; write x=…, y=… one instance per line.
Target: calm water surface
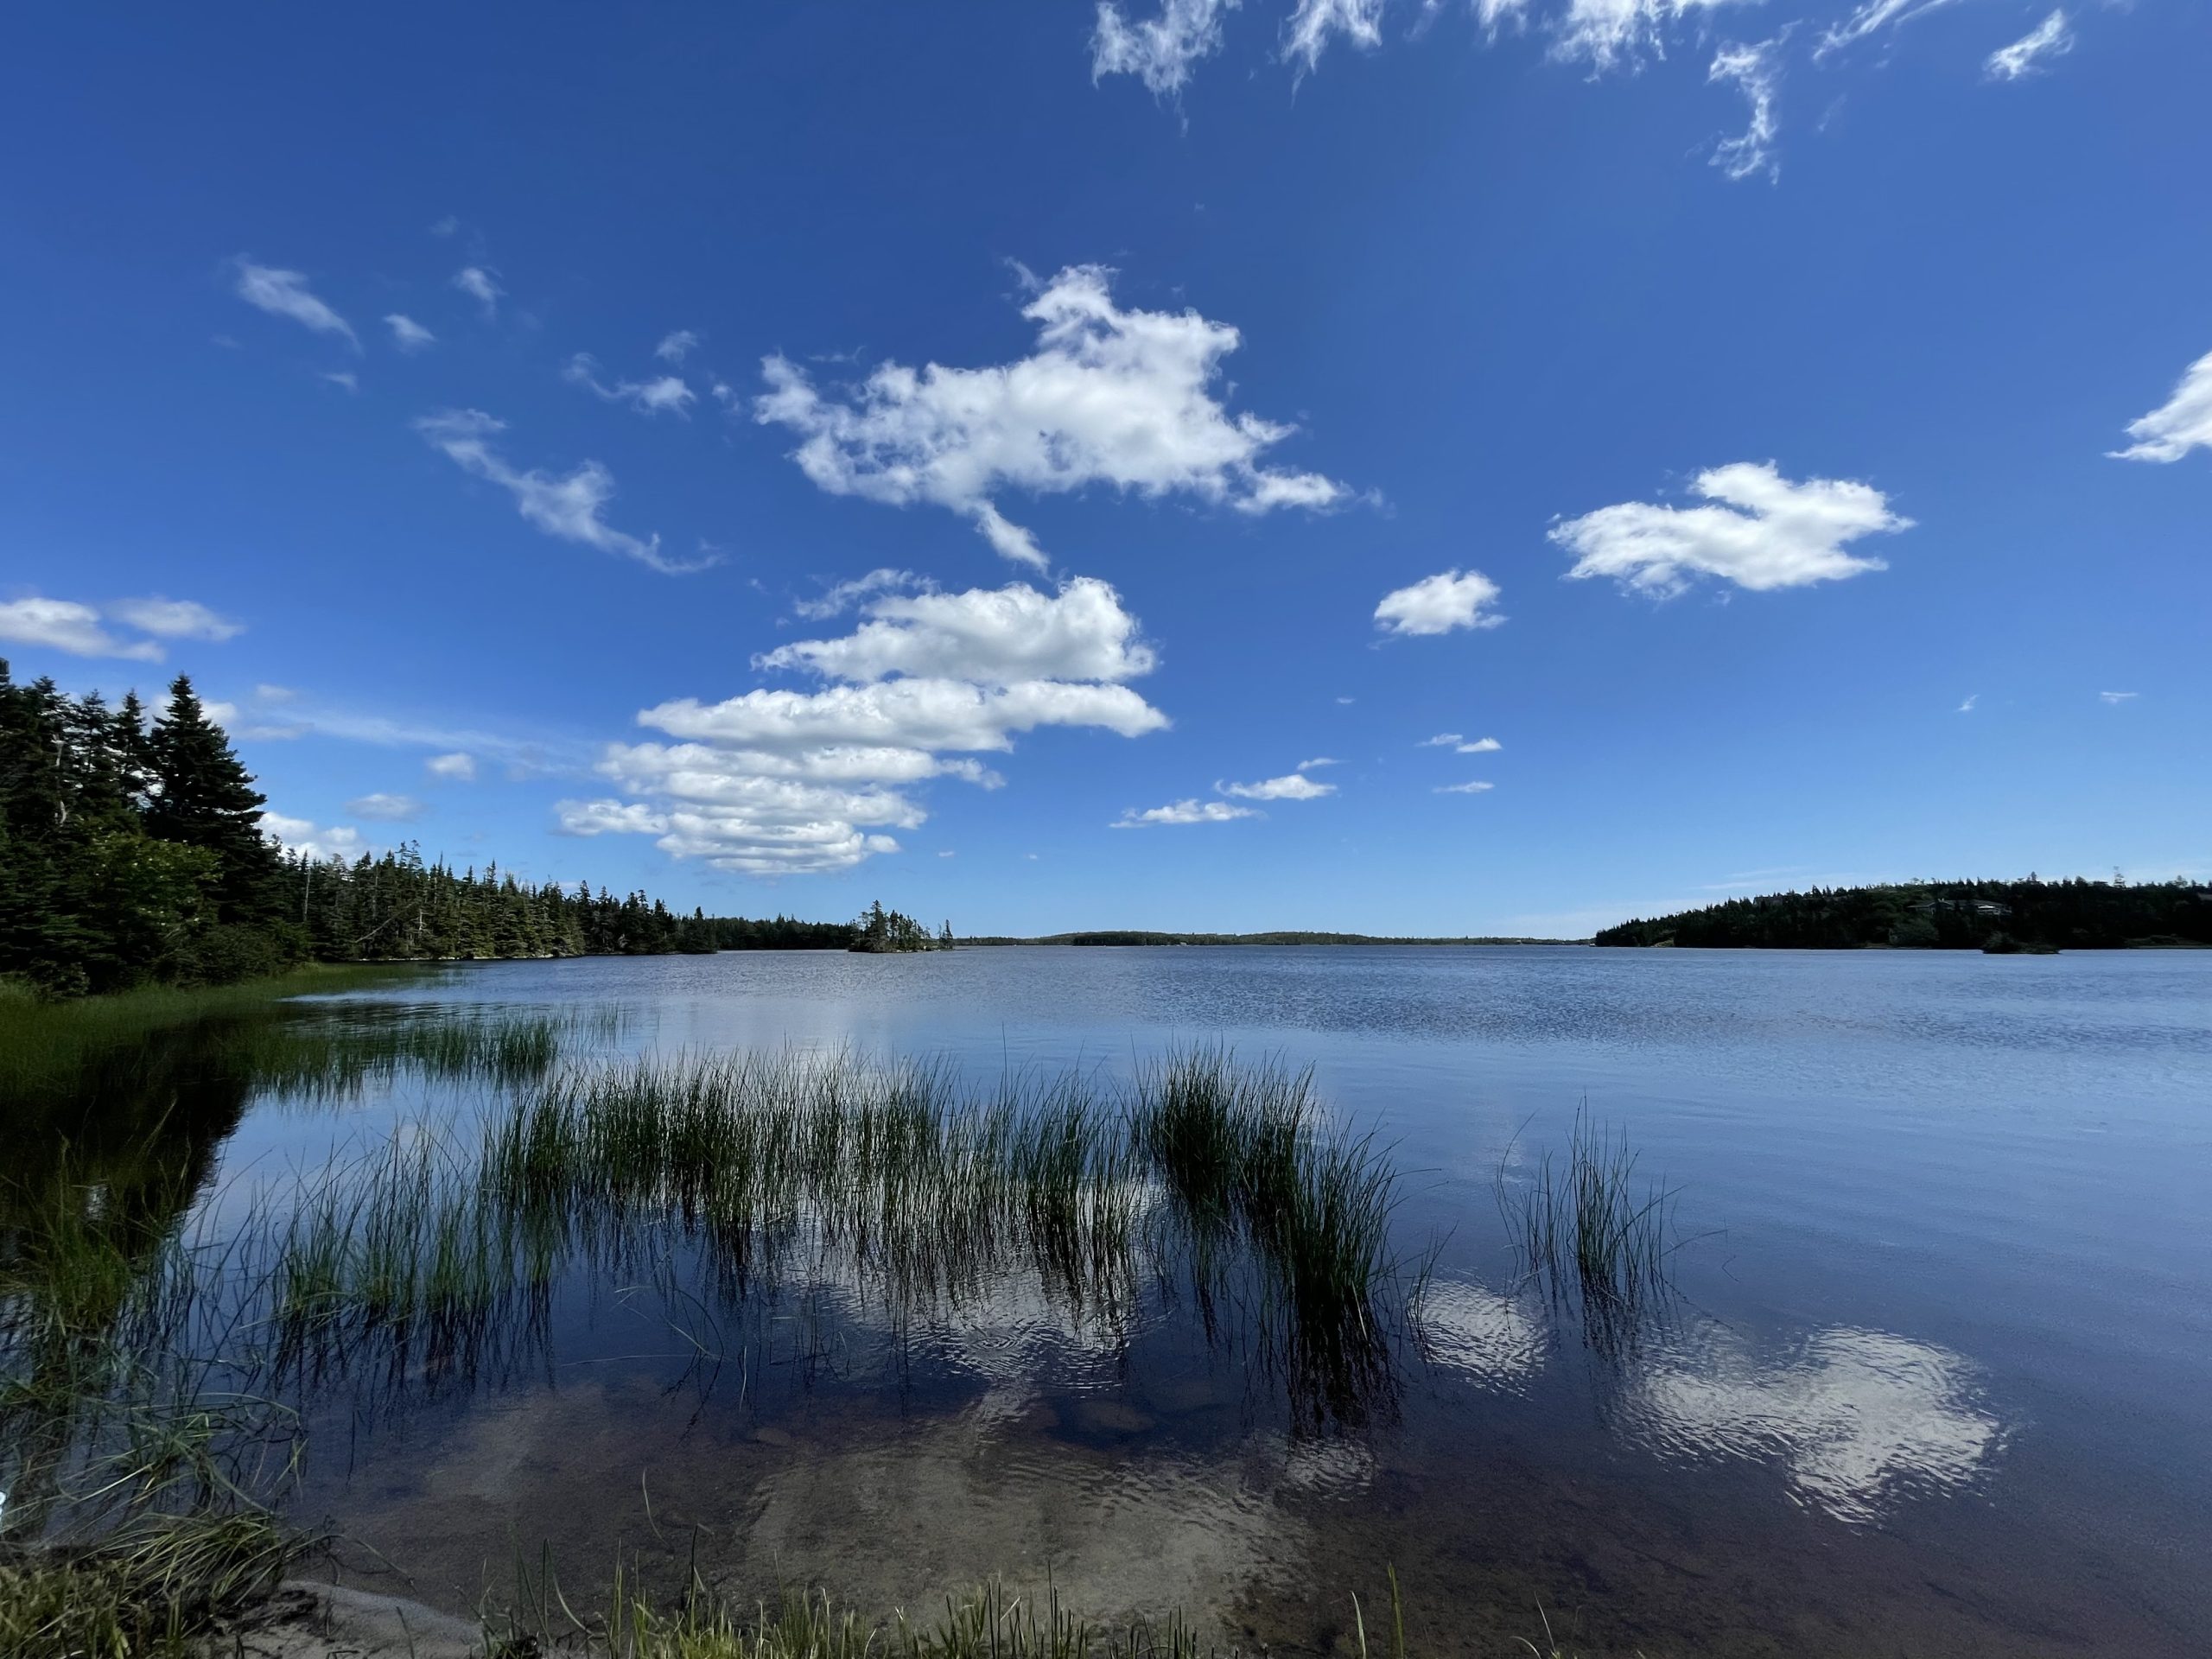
x=1938, y=1379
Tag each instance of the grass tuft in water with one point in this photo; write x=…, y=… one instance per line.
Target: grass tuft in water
x=1588, y=1229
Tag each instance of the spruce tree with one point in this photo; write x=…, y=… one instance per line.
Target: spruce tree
x=205, y=798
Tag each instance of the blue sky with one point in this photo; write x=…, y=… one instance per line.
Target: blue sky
x=1714, y=407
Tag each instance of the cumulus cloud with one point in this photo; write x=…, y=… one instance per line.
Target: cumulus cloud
x=1110, y=395
x=385, y=808
x=1757, y=72
x=305, y=836
x=1291, y=786
x=68, y=626
x=1190, y=811
x=1439, y=604
x=1012, y=633
x=2182, y=423
x=1160, y=51
x=1480, y=746
x=286, y=294
x=459, y=767
x=1476, y=787
x=568, y=507
x=407, y=334
x=480, y=286
x=2048, y=38
x=176, y=619
x=779, y=781
x=665, y=392
x=1762, y=532
x=64, y=625
x=675, y=347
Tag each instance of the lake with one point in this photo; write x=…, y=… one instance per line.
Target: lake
x=1932, y=1373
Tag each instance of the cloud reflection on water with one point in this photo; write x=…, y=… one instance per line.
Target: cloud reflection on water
x=1855, y=1419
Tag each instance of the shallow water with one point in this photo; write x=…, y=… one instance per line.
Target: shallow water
x=1937, y=1376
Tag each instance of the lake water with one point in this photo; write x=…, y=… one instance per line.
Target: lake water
x=1936, y=1377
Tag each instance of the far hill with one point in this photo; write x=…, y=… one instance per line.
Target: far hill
x=1943, y=916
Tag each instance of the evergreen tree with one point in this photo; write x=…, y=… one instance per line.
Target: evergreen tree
x=205, y=798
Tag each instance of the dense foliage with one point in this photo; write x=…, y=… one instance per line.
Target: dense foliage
x=1944, y=915
x=131, y=852
x=878, y=930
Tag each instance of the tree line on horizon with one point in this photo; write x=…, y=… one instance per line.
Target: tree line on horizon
x=131, y=852
x=2070, y=915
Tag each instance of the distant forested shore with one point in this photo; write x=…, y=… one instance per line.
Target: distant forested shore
x=2030, y=914
x=131, y=852
x=1136, y=937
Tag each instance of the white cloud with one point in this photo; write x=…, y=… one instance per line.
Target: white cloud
x=675, y=347
x=1757, y=70
x=1319, y=760
x=64, y=625
x=407, y=334
x=480, y=286
x=665, y=392
x=176, y=619
x=1476, y=788
x=1764, y=533
x=1439, y=604
x=1012, y=633
x=1291, y=786
x=269, y=693
x=286, y=294
x=458, y=767
x=446, y=226
x=779, y=781
x=1870, y=18
x=1611, y=33
x=2116, y=697
x=303, y=836
x=842, y=597
x=1160, y=51
x=2048, y=38
x=1314, y=21
x=566, y=507
x=1110, y=395
x=2182, y=423
x=385, y=808
x=1191, y=811
x=1967, y=708
x=1442, y=740
x=344, y=378
x=1480, y=746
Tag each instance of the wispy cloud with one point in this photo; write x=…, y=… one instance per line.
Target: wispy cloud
x=408, y=334
x=2119, y=696
x=2048, y=38
x=664, y=394
x=1476, y=788
x=1967, y=708
x=1757, y=72
x=386, y=808
x=285, y=294
x=480, y=286
x=69, y=625
x=176, y=619
x=2182, y=423
x=459, y=767
x=567, y=508
x=675, y=347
